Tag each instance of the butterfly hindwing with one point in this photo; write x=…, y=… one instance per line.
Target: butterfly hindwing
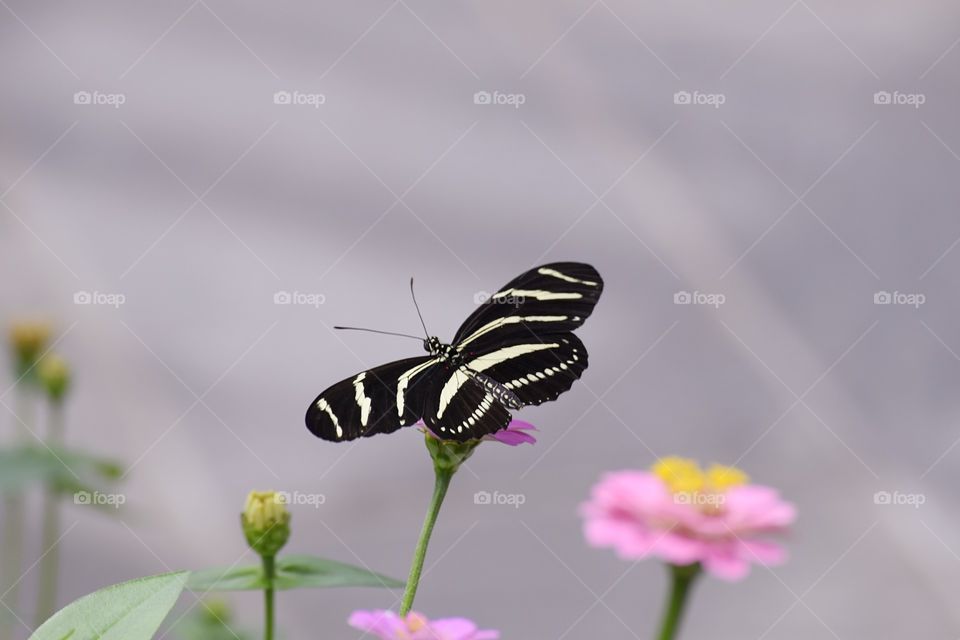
x=460, y=408
x=379, y=400
x=553, y=298
x=535, y=370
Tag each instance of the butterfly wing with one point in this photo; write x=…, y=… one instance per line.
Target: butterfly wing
x=379, y=400
x=553, y=298
x=460, y=408
x=532, y=371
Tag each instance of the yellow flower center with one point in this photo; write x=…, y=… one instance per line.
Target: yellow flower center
x=693, y=485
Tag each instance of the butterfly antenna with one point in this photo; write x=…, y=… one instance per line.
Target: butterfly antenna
x=414, y=296
x=388, y=333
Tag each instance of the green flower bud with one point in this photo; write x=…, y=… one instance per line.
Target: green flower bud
x=28, y=339
x=448, y=455
x=266, y=522
x=54, y=376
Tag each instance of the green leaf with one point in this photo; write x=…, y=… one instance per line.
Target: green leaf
x=23, y=466
x=228, y=579
x=128, y=611
x=293, y=572
x=82, y=462
x=296, y=571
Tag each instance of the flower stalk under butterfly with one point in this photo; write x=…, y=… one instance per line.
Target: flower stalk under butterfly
x=447, y=456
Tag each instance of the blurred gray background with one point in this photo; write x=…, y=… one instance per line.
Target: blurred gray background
x=798, y=199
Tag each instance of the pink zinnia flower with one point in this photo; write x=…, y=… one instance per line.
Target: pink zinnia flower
x=387, y=625
x=685, y=515
x=513, y=434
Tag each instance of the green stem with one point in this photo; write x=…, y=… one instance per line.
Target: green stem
x=440, y=486
x=269, y=572
x=14, y=512
x=681, y=580
x=49, y=570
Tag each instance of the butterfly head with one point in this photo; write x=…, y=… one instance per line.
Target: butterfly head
x=432, y=345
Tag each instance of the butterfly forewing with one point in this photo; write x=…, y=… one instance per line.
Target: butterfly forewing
x=554, y=298
x=380, y=400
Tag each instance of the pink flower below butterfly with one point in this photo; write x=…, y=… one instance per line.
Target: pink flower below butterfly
x=387, y=625
x=513, y=434
x=685, y=515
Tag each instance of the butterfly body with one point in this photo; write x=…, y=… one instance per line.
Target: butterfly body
x=516, y=349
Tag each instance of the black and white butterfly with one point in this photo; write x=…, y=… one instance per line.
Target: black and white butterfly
x=516, y=349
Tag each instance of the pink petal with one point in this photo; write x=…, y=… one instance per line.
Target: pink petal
x=725, y=563
x=679, y=549
x=460, y=629
x=757, y=508
x=514, y=434
x=386, y=625
x=764, y=552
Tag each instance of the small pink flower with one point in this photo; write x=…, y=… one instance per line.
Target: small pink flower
x=387, y=625
x=515, y=434
x=684, y=515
